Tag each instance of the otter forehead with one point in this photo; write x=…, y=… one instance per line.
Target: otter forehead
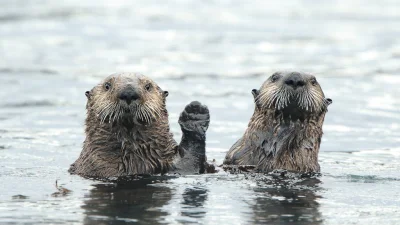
x=284, y=76
x=127, y=78
x=289, y=73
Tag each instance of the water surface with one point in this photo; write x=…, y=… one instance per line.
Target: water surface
x=216, y=52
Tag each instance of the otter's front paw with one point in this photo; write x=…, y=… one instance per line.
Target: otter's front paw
x=195, y=118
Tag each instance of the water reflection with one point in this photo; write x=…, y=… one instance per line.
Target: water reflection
x=136, y=201
x=287, y=201
x=193, y=203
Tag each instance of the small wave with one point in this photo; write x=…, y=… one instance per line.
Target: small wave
x=23, y=138
x=52, y=15
x=43, y=103
x=369, y=178
x=354, y=178
x=25, y=71
x=219, y=95
x=186, y=76
x=19, y=197
x=3, y=147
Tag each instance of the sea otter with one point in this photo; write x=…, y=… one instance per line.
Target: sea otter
x=127, y=131
x=286, y=127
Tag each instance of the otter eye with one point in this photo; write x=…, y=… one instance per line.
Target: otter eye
x=314, y=81
x=107, y=86
x=148, y=87
x=275, y=77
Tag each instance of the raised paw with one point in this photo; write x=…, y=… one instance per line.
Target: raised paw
x=195, y=118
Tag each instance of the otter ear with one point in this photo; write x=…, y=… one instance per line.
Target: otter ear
x=329, y=101
x=166, y=93
x=87, y=93
x=255, y=93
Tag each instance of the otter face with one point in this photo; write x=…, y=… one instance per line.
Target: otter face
x=128, y=96
x=291, y=93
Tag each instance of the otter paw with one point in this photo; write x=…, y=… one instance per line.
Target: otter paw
x=195, y=118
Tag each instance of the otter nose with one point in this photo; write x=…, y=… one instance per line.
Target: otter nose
x=295, y=80
x=128, y=96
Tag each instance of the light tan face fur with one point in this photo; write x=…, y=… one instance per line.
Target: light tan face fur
x=104, y=98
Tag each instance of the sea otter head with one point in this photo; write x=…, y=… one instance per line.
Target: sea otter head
x=293, y=95
x=127, y=98
x=285, y=130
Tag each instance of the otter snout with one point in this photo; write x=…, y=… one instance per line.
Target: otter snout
x=295, y=80
x=129, y=95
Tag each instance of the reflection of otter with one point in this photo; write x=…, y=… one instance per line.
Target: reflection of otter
x=136, y=201
x=287, y=203
x=127, y=131
x=286, y=128
x=140, y=201
x=193, y=201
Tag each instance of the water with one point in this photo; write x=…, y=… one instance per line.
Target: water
x=51, y=52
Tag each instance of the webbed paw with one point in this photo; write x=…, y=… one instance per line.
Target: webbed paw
x=195, y=118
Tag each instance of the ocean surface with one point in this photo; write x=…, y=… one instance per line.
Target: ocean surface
x=216, y=52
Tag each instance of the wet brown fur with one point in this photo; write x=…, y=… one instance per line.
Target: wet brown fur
x=119, y=144
x=285, y=130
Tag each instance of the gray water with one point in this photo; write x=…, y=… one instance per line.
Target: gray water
x=51, y=52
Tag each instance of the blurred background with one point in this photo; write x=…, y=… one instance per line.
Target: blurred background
x=216, y=52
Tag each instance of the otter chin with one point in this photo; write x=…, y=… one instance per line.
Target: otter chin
x=286, y=127
x=127, y=131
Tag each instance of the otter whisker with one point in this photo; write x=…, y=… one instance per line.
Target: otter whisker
x=103, y=116
x=101, y=113
x=302, y=100
x=312, y=101
x=107, y=113
x=145, y=112
x=137, y=113
x=116, y=112
x=148, y=108
x=277, y=97
x=317, y=98
x=145, y=115
x=305, y=102
x=155, y=109
x=105, y=107
x=267, y=98
x=283, y=99
x=111, y=112
x=287, y=99
x=152, y=112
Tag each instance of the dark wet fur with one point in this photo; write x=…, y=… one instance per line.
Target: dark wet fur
x=286, y=137
x=126, y=145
